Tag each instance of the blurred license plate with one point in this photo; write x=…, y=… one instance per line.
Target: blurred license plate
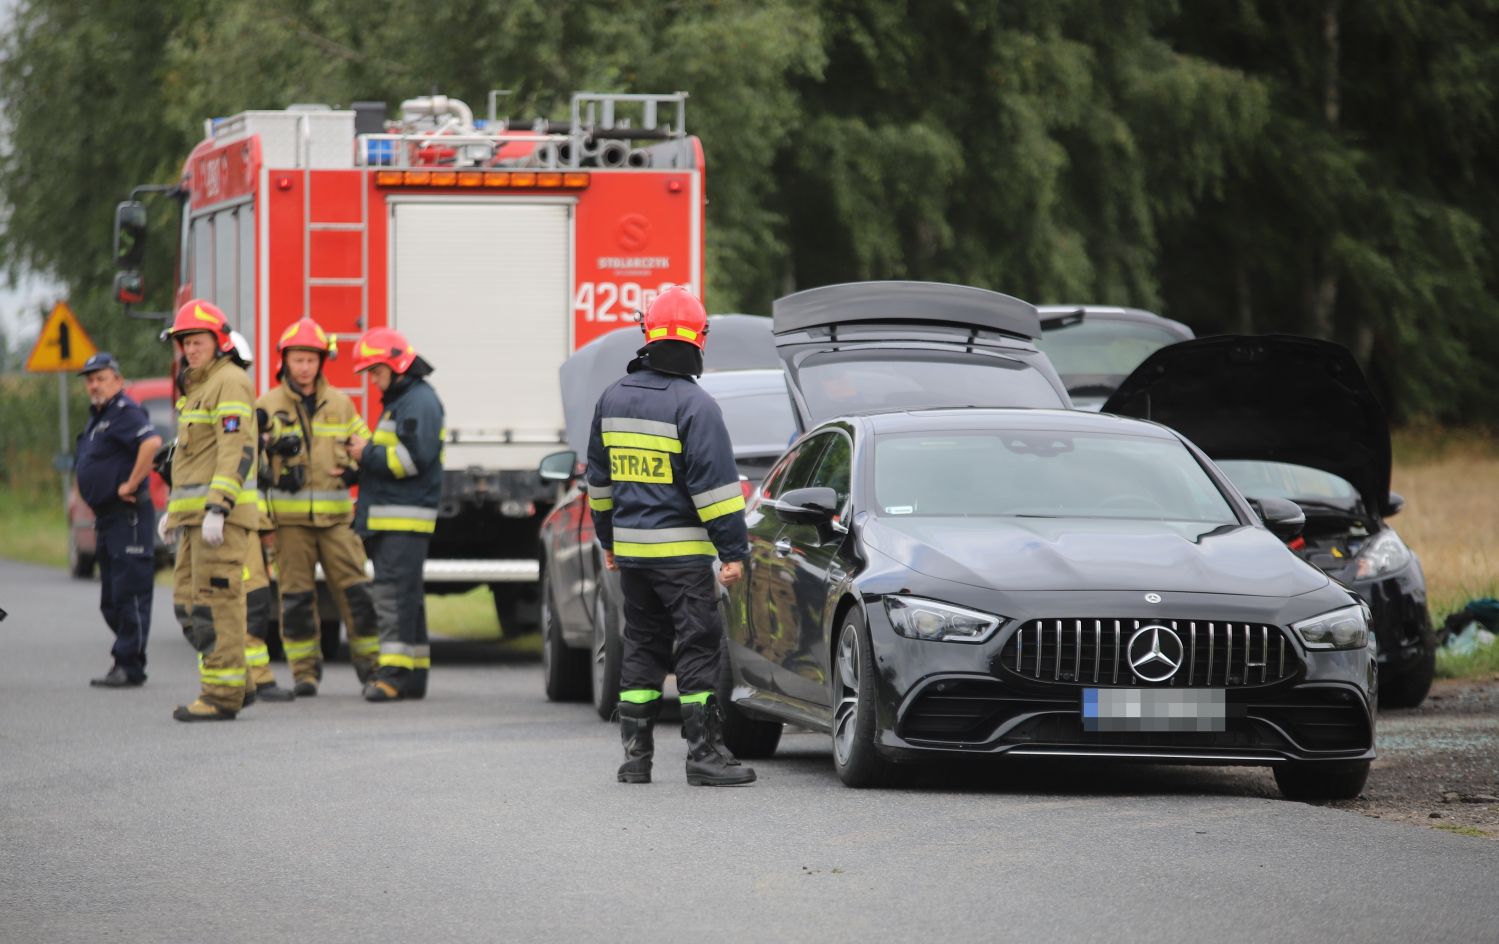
x=1154, y=709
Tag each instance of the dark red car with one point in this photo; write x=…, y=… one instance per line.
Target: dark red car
x=155, y=395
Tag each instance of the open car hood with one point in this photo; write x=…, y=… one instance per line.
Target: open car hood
x=734, y=342
x=867, y=346
x=1274, y=398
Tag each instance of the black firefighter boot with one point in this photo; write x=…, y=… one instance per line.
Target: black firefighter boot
x=636, y=731
x=709, y=763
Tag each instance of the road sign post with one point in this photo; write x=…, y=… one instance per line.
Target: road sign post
x=63, y=347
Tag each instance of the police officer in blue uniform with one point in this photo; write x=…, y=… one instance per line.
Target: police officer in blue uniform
x=114, y=462
x=666, y=501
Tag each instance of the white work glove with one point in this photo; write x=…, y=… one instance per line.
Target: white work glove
x=213, y=527
x=166, y=532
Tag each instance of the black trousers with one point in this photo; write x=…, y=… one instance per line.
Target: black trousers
x=126, y=551
x=401, y=609
x=671, y=621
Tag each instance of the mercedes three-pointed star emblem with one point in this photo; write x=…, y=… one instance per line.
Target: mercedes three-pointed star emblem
x=1155, y=653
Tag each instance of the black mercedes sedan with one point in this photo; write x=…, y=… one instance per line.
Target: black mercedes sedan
x=1039, y=582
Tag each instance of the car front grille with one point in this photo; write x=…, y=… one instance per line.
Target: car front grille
x=1087, y=652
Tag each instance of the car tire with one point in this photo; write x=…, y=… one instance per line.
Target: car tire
x=605, y=652
x=80, y=565
x=1342, y=780
x=745, y=737
x=1409, y=688
x=855, y=758
x=564, y=670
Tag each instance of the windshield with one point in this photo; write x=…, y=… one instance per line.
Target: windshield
x=1044, y=474
x=853, y=382
x=1101, y=353
x=1282, y=480
x=758, y=423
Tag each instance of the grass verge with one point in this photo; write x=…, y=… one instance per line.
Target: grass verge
x=1484, y=663
x=33, y=526
x=1461, y=830
x=472, y=615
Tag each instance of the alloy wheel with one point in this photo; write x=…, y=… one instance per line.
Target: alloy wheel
x=846, y=714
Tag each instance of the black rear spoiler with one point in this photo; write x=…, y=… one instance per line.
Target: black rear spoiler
x=905, y=302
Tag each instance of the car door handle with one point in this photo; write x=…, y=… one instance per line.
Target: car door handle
x=783, y=547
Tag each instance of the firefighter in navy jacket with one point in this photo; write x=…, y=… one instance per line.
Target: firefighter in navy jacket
x=666, y=501
x=400, y=487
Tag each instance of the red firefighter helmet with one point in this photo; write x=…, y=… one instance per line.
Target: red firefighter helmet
x=199, y=315
x=306, y=335
x=675, y=315
x=383, y=346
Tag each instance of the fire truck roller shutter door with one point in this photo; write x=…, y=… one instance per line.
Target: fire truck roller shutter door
x=475, y=285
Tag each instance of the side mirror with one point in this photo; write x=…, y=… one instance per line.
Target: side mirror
x=130, y=288
x=808, y=505
x=559, y=466
x=1397, y=502
x=1283, y=517
x=130, y=235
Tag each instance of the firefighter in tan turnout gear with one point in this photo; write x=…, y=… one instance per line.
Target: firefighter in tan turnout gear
x=212, y=506
x=307, y=426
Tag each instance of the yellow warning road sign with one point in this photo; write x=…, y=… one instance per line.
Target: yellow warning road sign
x=63, y=344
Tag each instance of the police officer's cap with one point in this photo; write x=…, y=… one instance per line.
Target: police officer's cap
x=101, y=361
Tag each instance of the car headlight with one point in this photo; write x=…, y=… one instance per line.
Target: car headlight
x=916, y=618
x=1383, y=554
x=1347, y=628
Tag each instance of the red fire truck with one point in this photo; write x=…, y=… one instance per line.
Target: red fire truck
x=497, y=247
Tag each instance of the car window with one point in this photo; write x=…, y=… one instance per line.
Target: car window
x=1283, y=480
x=1044, y=474
x=855, y=381
x=835, y=467
x=796, y=469
x=1101, y=353
x=758, y=423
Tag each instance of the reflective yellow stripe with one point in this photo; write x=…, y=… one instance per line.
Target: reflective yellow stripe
x=225, y=483
x=719, y=509
x=231, y=408
x=601, y=504
x=189, y=417
x=643, y=441
x=639, y=696
x=385, y=437
x=225, y=678
x=299, y=648
x=257, y=655
x=393, y=462
x=670, y=549
x=687, y=333
x=286, y=506
x=364, y=645
x=398, y=661
x=401, y=524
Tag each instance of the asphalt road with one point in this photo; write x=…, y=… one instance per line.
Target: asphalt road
x=488, y=814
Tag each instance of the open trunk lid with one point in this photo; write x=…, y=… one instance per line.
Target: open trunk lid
x=870, y=346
